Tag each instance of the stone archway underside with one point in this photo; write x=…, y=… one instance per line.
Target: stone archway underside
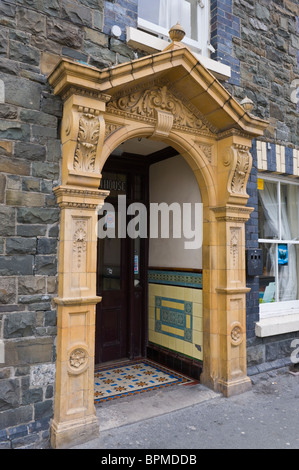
x=168, y=96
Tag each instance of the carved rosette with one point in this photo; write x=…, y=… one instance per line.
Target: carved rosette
x=78, y=359
x=236, y=334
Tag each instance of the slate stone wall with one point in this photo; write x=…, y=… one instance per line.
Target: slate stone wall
x=34, y=34
x=267, y=49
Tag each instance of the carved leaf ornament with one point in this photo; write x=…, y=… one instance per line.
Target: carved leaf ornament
x=89, y=131
x=242, y=168
x=144, y=103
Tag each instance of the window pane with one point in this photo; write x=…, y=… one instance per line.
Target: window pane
x=268, y=211
x=287, y=271
x=267, y=280
x=166, y=13
x=149, y=10
x=289, y=212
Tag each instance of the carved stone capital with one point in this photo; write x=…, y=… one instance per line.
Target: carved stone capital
x=77, y=198
x=231, y=213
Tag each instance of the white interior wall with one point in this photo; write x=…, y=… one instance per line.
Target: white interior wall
x=172, y=180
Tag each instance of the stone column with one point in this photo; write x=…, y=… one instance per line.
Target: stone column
x=231, y=299
x=225, y=348
x=82, y=136
x=74, y=414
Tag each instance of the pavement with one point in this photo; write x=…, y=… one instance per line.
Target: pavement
x=194, y=417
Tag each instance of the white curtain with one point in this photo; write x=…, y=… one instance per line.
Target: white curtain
x=173, y=11
x=288, y=282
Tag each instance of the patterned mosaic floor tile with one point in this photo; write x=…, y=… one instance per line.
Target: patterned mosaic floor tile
x=131, y=378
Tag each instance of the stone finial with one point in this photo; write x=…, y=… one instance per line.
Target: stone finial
x=247, y=104
x=177, y=33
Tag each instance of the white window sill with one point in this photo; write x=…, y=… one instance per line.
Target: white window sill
x=277, y=325
x=151, y=44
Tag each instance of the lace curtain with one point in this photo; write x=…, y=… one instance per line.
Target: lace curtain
x=288, y=279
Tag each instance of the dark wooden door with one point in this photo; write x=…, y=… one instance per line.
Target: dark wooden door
x=112, y=313
x=121, y=317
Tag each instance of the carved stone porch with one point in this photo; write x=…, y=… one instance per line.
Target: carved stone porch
x=171, y=97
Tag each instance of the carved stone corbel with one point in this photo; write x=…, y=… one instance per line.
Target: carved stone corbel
x=239, y=161
x=83, y=134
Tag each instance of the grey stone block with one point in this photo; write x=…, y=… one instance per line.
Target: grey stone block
x=9, y=394
x=9, y=418
x=37, y=215
x=7, y=9
x=19, y=325
x=29, y=351
x=31, y=285
x=31, y=21
x=12, y=130
x=46, y=265
x=64, y=33
x=43, y=409
x=8, y=112
x=38, y=117
x=46, y=170
x=23, y=53
x=22, y=92
x=21, y=246
x=8, y=289
x=16, y=265
x=51, y=104
x=47, y=246
x=76, y=14
x=31, y=230
x=7, y=221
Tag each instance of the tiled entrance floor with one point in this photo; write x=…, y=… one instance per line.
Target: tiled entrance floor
x=133, y=377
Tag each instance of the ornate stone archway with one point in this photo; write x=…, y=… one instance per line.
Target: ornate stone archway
x=168, y=96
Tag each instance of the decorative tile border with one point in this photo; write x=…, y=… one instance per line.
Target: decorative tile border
x=174, y=318
x=175, y=278
x=131, y=378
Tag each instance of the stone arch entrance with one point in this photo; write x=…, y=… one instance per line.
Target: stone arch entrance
x=168, y=96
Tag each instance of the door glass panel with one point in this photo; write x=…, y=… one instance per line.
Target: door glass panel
x=110, y=261
x=116, y=183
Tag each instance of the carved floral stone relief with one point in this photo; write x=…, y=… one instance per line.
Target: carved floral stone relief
x=80, y=244
x=145, y=103
x=239, y=158
x=234, y=245
x=88, y=137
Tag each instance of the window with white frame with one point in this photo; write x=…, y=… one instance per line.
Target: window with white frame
x=279, y=240
x=158, y=16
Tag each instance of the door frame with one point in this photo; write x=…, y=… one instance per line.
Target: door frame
x=132, y=165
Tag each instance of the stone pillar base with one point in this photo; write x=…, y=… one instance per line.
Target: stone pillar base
x=72, y=433
x=234, y=387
